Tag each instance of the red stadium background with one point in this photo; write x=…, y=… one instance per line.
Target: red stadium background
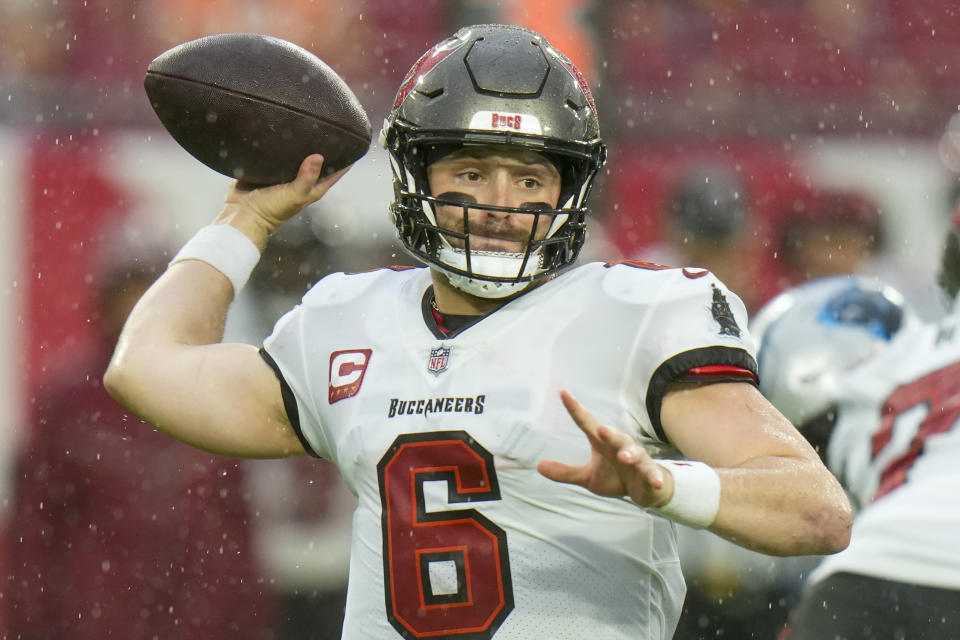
x=794, y=96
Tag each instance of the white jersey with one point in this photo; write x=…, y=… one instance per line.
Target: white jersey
x=455, y=533
x=896, y=447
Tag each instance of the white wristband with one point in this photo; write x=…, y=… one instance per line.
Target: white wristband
x=226, y=249
x=696, y=493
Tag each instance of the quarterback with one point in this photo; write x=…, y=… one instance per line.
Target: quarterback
x=523, y=435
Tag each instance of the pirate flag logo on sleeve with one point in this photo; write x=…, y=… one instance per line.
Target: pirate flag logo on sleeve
x=720, y=309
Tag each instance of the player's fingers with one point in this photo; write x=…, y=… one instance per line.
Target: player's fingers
x=614, y=438
x=584, y=419
x=308, y=174
x=628, y=450
x=650, y=472
x=310, y=169
x=560, y=472
x=323, y=185
x=617, y=445
x=606, y=441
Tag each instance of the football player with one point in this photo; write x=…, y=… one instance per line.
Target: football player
x=878, y=392
x=445, y=395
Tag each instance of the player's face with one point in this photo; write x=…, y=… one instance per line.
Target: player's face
x=500, y=176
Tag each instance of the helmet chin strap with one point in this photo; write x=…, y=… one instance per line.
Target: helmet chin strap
x=493, y=264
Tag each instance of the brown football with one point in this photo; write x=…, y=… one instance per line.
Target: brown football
x=252, y=107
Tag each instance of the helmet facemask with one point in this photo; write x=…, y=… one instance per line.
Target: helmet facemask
x=413, y=138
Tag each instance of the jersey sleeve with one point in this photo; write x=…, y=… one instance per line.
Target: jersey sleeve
x=290, y=405
x=301, y=346
x=696, y=331
x=287, y=351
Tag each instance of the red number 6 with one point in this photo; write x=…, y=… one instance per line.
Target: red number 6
x=477, y=594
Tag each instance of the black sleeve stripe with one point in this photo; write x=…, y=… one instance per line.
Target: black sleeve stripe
x=675, y=369
x=289, y=402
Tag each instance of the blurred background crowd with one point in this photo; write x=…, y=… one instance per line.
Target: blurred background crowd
x=771, y=141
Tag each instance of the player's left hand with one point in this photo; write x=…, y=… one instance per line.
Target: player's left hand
x=618, y=466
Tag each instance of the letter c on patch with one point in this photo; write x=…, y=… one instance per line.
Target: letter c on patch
x=347, y=369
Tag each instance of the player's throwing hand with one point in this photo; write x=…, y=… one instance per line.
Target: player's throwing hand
x=618, y=466
x=266, y=208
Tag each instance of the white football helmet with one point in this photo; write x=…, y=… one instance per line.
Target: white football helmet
x=810, y=336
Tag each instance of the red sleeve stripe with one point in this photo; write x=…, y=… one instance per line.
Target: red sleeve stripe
x=719, y=371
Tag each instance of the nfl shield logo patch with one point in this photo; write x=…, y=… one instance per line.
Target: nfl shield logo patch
x=439, y=358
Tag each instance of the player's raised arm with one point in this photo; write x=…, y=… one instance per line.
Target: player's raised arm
x=169, y=366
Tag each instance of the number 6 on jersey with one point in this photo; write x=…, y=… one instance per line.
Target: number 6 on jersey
x=446, y=573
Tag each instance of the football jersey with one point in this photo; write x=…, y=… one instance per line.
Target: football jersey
x=896, y=447
x=456, y=534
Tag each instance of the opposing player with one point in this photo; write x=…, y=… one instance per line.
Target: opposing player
x=879, y=393
x=444, y=395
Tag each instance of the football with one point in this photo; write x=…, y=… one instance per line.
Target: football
x=252, y=107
